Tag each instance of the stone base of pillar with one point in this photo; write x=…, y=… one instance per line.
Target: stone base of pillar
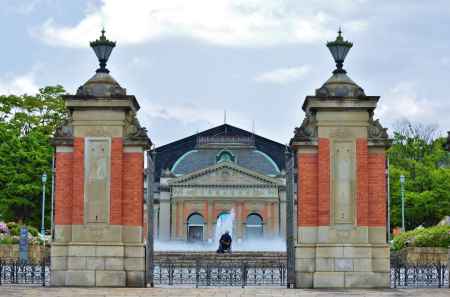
x=342, y=266
x=97, y=265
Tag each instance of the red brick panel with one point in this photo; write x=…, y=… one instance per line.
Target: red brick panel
x=377, y=190
x=362, y=191
x=307, y=189
x=78, y=181
x=63, y=189
x=133, y=189
x=324, y=182
x=115, y=206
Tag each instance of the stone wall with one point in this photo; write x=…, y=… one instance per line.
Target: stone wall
x=101, y=265
x=422, y=255
x=11, y=251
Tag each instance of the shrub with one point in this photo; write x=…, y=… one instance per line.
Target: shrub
x=14, y=230
x=437, y=236
x=9, y=240
x=11, y=225
x=33, y=231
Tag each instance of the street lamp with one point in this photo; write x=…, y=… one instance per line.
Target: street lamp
x=402, y=190
x=44, y=180
x=102, y=48
x=339, y=50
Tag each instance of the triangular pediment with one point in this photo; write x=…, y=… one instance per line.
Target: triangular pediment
x=225, y=173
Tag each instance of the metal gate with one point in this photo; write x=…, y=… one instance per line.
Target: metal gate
x=203, y=273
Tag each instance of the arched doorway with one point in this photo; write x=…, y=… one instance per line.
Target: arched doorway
x=195, y=225
x=254, y=226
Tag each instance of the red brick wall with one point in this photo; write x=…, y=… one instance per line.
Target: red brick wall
x=115, y=209
x=63, y=188
x=377, y=189
x=324, y=182
x=362, y=191
x=133, y=189
x=307, y=189
x=78, y=181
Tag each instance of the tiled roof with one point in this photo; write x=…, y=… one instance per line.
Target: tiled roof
x=246, y=157
x=168, y=154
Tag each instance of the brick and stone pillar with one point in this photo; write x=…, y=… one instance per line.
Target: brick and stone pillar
x=341, y=218
x=99, y=238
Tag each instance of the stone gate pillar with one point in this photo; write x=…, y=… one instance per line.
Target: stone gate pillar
x=99, y=185
x=340, y=151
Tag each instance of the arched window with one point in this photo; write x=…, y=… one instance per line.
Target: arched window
x=224, y=156
x=254, y=226
x=195, y=224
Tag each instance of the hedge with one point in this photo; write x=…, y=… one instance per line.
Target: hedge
x=437, y=236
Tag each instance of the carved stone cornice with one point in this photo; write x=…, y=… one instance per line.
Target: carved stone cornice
x=308, y=129
x=313, y=103
x=134, y=133
x=377, y=135
x=63, y=134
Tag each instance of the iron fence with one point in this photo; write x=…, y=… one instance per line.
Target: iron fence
x=419, y=275
x=219, y=272
x=203, y=273
x=15, y=272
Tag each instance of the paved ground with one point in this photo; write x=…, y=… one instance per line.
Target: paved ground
x=219, y=292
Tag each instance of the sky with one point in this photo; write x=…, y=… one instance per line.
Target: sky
x=187, y=62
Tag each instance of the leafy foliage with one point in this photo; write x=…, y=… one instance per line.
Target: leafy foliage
x=437, y=236
x=26, y=125
x=426, y=167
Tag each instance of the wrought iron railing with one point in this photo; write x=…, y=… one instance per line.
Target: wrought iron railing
x=15, y=272
x=419, y=275
x=201, y=273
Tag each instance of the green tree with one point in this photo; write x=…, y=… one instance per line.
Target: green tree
x=419, y=155
x=26, y=126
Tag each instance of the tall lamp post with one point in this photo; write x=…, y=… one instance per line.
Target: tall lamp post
x=44, y=180
x=402, y=190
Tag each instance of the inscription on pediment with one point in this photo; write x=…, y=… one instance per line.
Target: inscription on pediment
x=224, y=191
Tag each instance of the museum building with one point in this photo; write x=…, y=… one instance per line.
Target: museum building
x=223, y=171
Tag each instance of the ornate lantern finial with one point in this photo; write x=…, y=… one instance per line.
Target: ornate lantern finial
x=102, y=48
x=339, y=50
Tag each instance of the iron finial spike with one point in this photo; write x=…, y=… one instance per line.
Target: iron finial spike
x=340, y=31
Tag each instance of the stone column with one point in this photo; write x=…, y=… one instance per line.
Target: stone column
x=340, y=153
x=99, y=189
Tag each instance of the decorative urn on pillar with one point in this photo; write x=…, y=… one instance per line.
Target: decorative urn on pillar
x=340, y=151
x=99, y=238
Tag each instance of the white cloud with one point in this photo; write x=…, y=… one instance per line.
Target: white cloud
x=283, y=75
x=190, y=113
x=222, y=22
x=403, y=102
x=22, y=84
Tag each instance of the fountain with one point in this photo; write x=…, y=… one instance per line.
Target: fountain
x=225, y=222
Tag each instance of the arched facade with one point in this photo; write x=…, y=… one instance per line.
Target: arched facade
x=254, y=226
x=224, y=169
x=195, y=227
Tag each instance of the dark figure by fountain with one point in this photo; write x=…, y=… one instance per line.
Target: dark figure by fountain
x=225, y=243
